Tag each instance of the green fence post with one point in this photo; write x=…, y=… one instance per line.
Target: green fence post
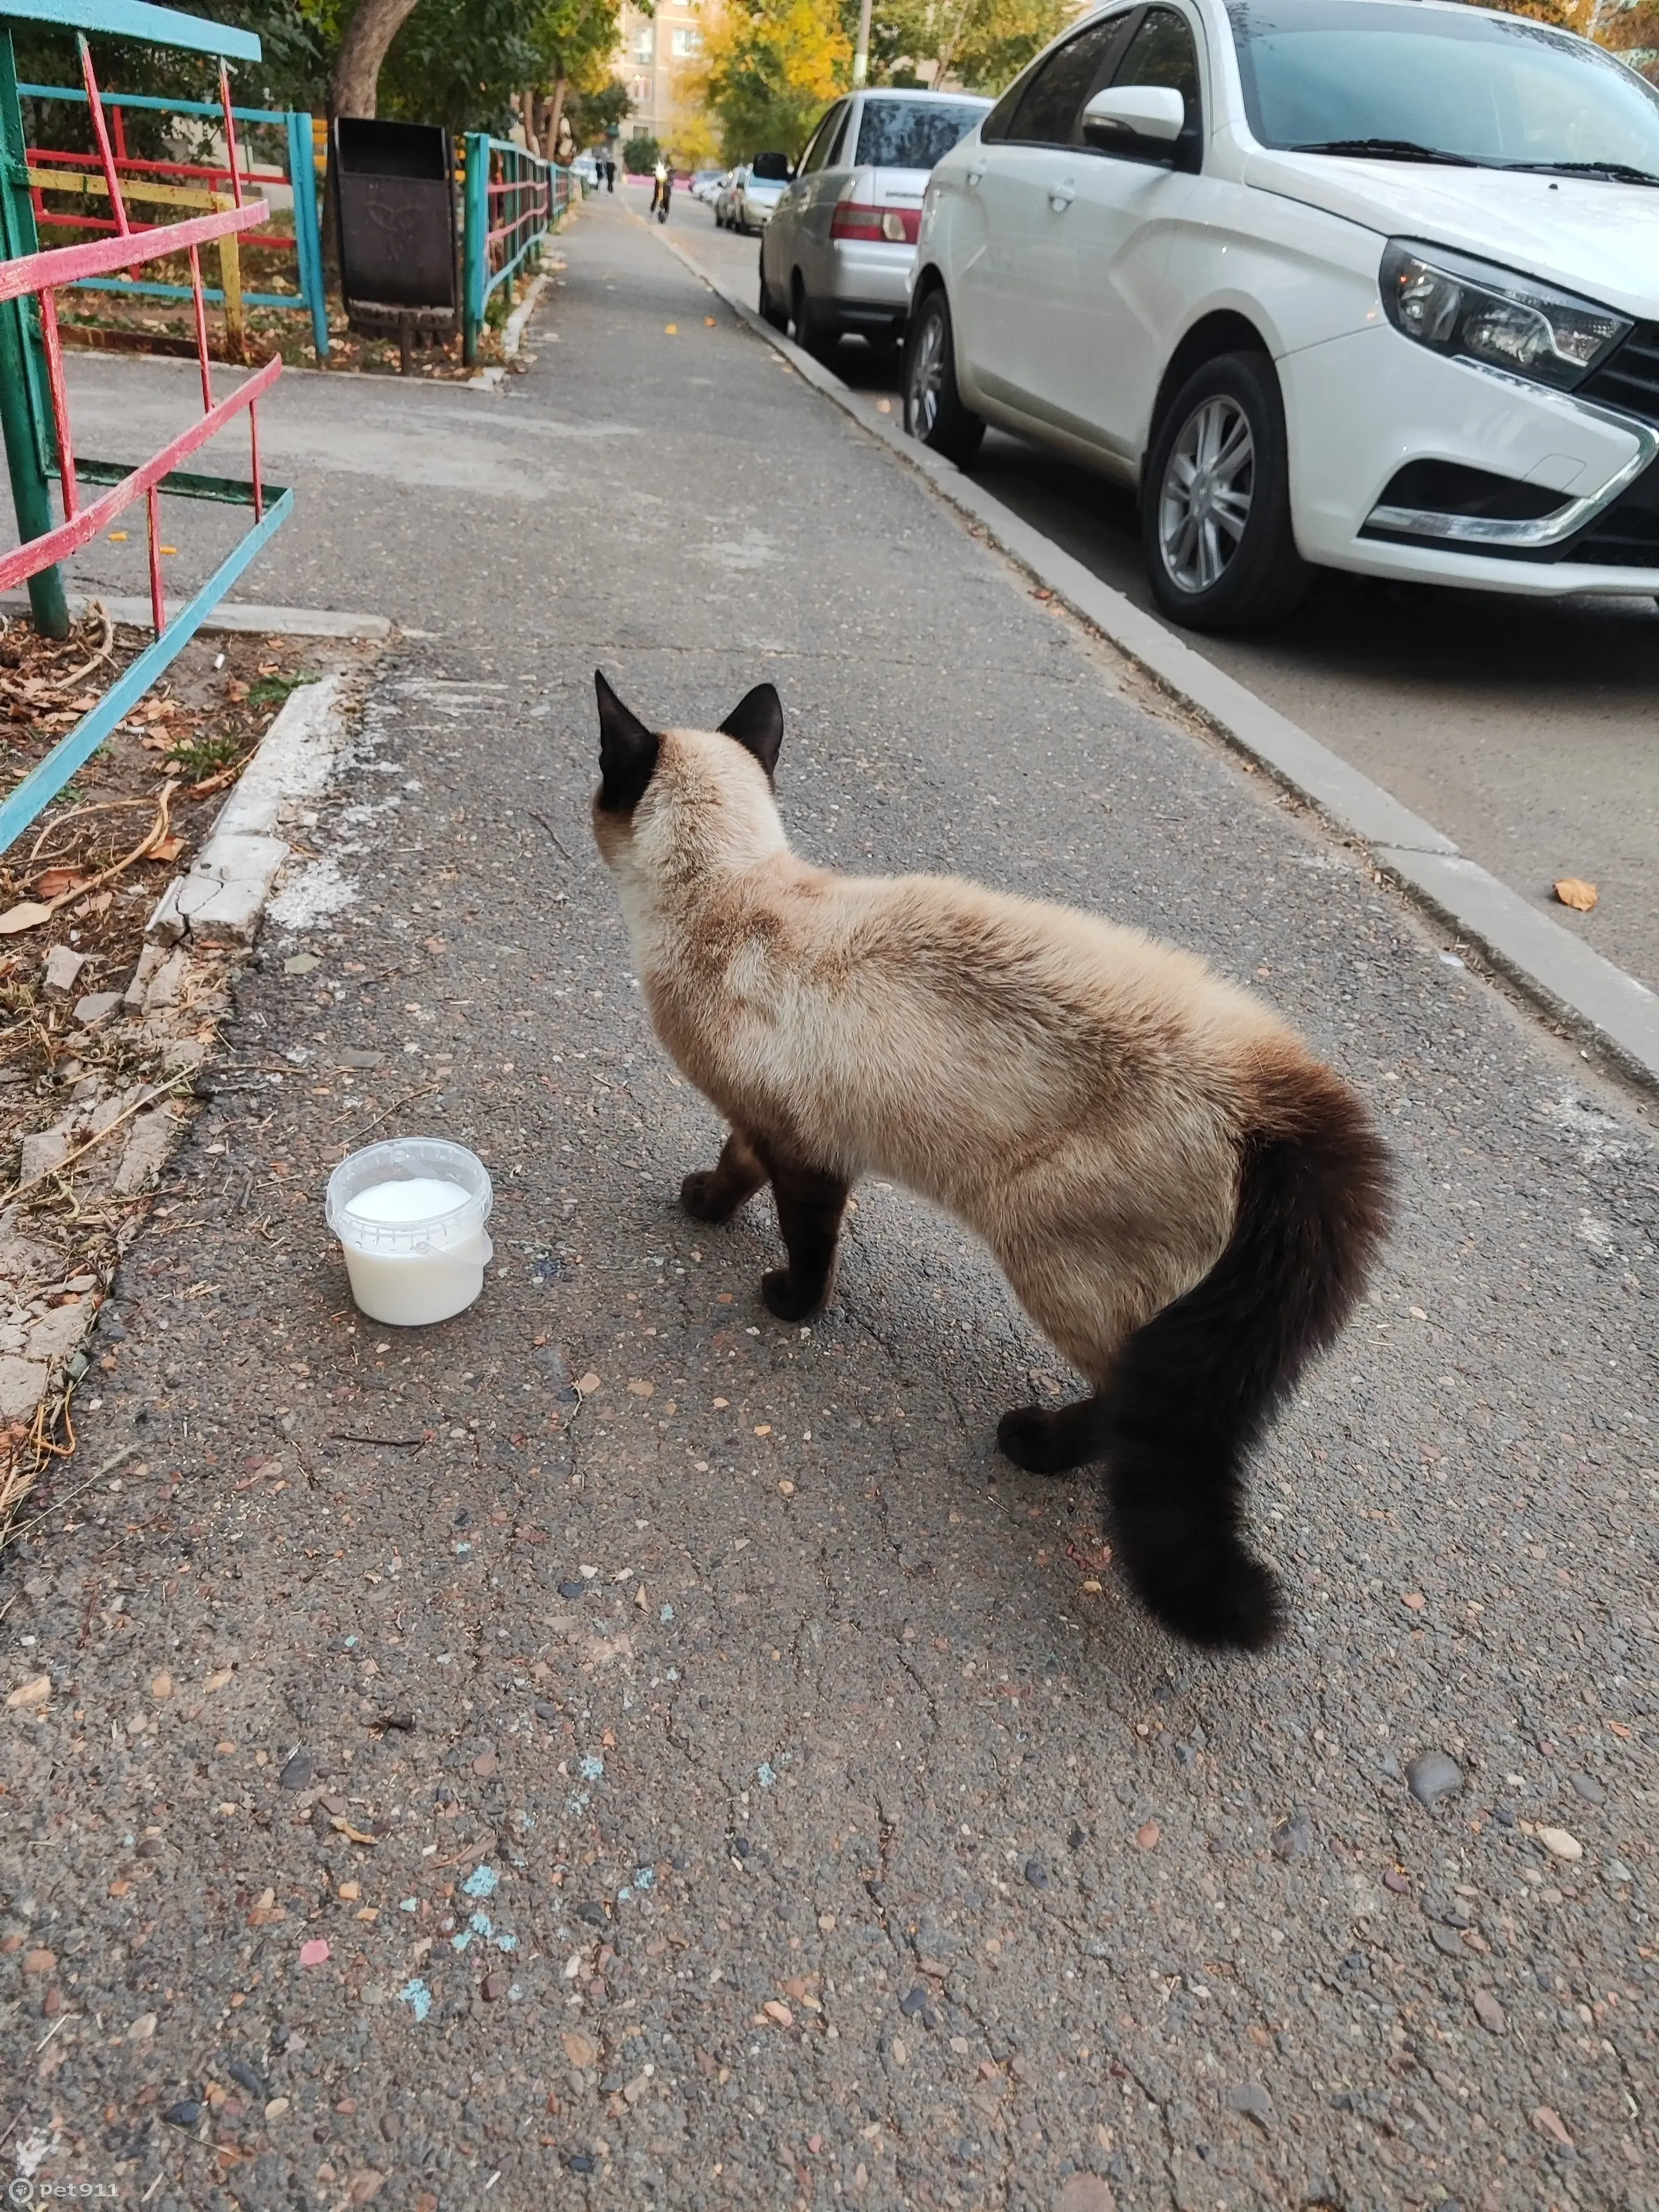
x=31, y=447
x=307, y=229
x=475, y=243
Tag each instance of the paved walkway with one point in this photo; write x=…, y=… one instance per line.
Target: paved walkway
x=716, y=1779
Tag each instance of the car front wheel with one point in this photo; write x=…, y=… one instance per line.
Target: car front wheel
x=933, y=411
x=1216, y=530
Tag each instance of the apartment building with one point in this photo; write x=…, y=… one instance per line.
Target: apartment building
x=658, y=58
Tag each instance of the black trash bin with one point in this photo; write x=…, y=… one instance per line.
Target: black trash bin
x=394, y=199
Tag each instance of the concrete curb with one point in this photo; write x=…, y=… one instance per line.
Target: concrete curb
x=228, y=619
x=1565, y=976
x=222, y=895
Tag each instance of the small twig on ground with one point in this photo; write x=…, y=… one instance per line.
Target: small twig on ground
x=21, y=1530
x=59, y=821
x=396, y=1107
x=104, y=645
x=548, y=826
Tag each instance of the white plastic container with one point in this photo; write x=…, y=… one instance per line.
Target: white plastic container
x=410, y=1215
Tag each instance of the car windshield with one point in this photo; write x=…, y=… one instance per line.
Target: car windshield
x=914, y=134
x=1407, y=81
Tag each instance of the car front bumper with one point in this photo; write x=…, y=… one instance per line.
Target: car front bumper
x=1361, y=408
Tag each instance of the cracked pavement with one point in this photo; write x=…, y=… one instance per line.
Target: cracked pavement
x=716, y=1778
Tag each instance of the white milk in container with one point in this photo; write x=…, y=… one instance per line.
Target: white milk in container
x=410, y=1215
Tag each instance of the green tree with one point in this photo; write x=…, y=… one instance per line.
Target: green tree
x=769, y=68
x=640, y=154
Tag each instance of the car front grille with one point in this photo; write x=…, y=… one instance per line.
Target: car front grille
x=1629, y=377
x=1625, y=536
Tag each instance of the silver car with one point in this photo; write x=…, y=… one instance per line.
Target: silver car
x=838, y=252
x=765, y=180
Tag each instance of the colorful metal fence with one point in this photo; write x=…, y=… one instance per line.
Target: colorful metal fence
x=34, y=409
x=203, y=183
x=511, y=200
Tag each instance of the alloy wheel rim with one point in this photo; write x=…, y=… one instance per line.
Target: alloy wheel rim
x=927, y=376
x=1204, y=504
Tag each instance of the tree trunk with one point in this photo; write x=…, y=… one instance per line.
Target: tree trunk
x=374, y=24
x=556, y=109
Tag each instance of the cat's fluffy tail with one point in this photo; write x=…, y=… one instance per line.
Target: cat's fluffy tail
x=1191, y=1392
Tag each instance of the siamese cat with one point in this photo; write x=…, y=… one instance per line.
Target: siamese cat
x=1182, y=1198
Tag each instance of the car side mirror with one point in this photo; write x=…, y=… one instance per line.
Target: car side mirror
x=1134, y=118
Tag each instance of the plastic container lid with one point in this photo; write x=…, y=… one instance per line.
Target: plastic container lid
x=410, y=1160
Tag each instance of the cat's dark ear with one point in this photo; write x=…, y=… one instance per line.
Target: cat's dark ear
x=628, y=753
x=757, y=723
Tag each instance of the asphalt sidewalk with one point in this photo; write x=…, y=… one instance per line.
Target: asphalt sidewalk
x=615, y=1749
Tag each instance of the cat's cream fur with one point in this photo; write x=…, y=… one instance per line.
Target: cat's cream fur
x=1076, y=1093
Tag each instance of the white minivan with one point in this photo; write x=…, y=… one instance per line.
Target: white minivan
x=1371, y=284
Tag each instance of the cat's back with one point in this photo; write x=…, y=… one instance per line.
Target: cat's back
x=989, y=957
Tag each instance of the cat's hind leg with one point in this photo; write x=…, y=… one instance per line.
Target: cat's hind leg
x=716, y=1194
x=1052, y=1441
x=809, y=1203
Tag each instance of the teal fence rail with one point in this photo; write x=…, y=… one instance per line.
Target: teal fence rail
x=150, y=181
x=511, y=200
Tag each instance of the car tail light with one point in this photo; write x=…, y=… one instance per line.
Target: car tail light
x=857, y=218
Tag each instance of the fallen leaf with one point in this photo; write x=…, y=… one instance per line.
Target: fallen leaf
x=775, y=2008
x=352, y=1835
x=168, y=850
x=671, y=330
x=1149, y=1836
x=34, y=1692
x=29, y=914
x=217, y=1679
x=1573, y=891
x=1415, y=1599
x=162, y=1686
x=314, y=1952
x=1488, y=2011
x=1561, y=1845
x=350, y=1890
x=587, y=1384
x=1550, y=2121
x=581, y=2049
x=639, y=1389
x=53, y=883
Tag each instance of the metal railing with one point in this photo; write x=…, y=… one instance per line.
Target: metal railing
x=511, y=200
x=34, y=408
x=199, y=183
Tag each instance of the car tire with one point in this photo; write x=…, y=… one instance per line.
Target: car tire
x=814, y=332
x=772, y=309
x=933, y=412
x=1215, y=506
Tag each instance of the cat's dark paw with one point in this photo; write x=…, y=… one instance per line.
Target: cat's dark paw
x=1221, y=1596
x=783, y=1297
x=1036, y=1439
x=700, y=1196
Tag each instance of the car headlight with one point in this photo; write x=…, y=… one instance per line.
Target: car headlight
x=1455, y=305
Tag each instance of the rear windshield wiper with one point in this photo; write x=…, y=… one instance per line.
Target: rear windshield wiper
x=1388, y=150
x=1616, y=173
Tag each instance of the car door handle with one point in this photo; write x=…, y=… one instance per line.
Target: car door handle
x=1061, y=196
x=975, y=178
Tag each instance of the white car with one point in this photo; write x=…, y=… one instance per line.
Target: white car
x=838, y=254
x=760, y=185
x=1369, y=284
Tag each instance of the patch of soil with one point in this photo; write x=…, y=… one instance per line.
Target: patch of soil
x=184, y=745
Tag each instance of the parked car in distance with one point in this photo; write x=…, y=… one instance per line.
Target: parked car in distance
x=765, y=180
x=726, y=199
x=839, y=250
x=705, y=183
x=1369, y=284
